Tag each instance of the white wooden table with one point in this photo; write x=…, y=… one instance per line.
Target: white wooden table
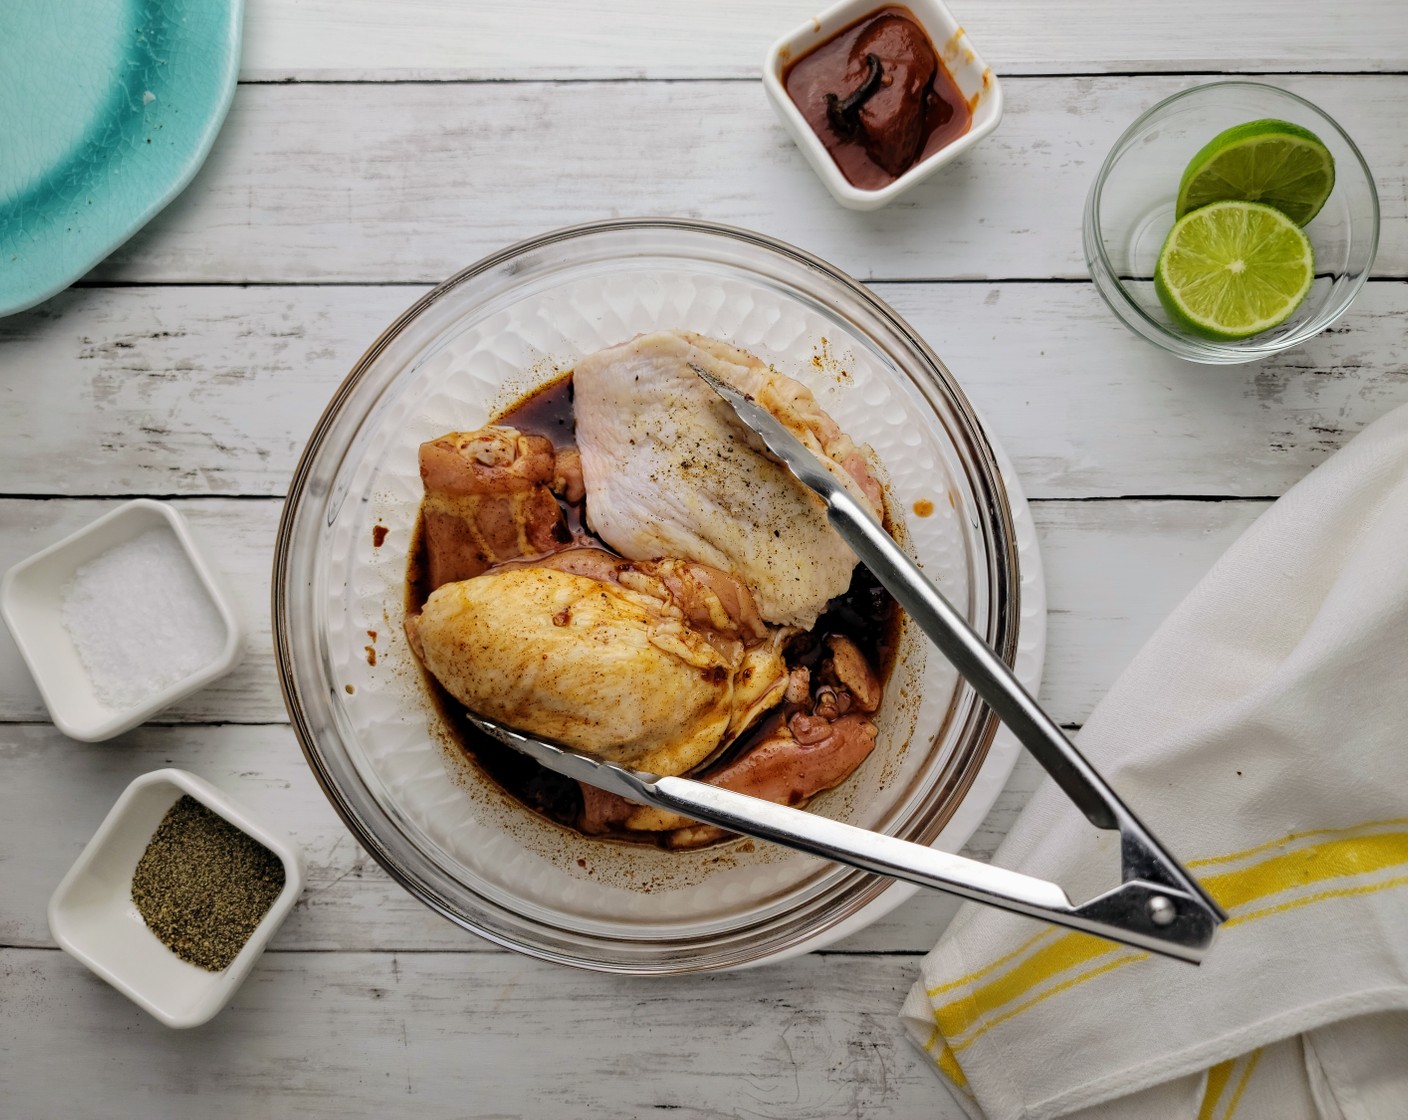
x=373, y=149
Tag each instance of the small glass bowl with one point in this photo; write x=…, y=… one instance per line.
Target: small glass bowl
x=1130, y=210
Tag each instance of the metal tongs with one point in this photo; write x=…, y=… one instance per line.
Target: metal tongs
x=1158, y=906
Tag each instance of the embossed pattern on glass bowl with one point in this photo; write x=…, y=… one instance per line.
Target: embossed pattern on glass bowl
x=456, y=359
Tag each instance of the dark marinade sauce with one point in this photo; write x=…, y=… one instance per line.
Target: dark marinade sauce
x=877, y=120
x=865, y=613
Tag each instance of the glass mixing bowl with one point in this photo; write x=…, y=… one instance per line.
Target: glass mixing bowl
x=1131, y=205
x=459, y=357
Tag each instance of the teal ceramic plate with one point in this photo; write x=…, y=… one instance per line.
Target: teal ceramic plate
x=111, y=107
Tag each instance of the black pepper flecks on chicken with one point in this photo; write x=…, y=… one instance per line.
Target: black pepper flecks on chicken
x=664, y=664
x=698, y=485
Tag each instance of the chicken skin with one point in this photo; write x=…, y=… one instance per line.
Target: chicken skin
x=612, y=667
x=670, y=471
x=813, y=743
x=489, y=496
x=688, y=643
x=795, y=759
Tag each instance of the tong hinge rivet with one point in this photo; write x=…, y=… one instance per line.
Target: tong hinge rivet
x=1160, y=910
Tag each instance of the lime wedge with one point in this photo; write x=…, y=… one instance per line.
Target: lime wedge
x=1270, y=161
x=1233, y=269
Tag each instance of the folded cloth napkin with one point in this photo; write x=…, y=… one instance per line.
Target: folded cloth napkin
x=1262, y=735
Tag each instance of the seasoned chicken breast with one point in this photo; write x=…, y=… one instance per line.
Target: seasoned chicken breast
x=670, y=471
x=795, y=759
x=612, y=666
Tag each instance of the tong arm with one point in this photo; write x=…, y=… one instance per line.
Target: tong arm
x=1142, y=856
x=1138, y=912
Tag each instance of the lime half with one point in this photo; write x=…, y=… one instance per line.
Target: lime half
x=1270, y=161
x=1233, y=269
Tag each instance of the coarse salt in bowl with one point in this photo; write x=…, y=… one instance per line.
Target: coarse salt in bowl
x=120, y=620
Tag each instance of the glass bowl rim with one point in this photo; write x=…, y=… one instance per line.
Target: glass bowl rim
x=855, y=890
x=1211, y=350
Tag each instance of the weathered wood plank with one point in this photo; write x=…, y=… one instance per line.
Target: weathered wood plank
x=196, y=391
x=432, y=177
x=370, y=1005
x=347, y=1035
x=361, y=39
x=57, y=792
x=1114, y=569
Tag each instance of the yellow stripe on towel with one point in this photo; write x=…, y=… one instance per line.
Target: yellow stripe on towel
x=1218, y=1077
x=1099, y=970
x=964, y=981
x=1242, y=1084
x=1291, y=838
x=968, y=979
x=1319, y=863
x=1070, y=950
x=1350, y=854
x=948, y=1063
x=1318, y=896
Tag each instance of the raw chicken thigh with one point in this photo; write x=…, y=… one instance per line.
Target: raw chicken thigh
x=489, y=497
x=798, y=754
x=670, y=471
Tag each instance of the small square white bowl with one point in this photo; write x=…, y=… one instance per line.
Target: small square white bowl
x=974, y=78
x=31, y=602
x=93, y=918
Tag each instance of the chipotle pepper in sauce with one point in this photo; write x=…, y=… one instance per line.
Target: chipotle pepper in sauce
x=878, y=97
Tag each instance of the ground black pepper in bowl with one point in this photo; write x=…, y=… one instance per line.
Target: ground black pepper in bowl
x=203, y=885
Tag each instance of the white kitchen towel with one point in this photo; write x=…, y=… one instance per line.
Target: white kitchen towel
x=1262, y=734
